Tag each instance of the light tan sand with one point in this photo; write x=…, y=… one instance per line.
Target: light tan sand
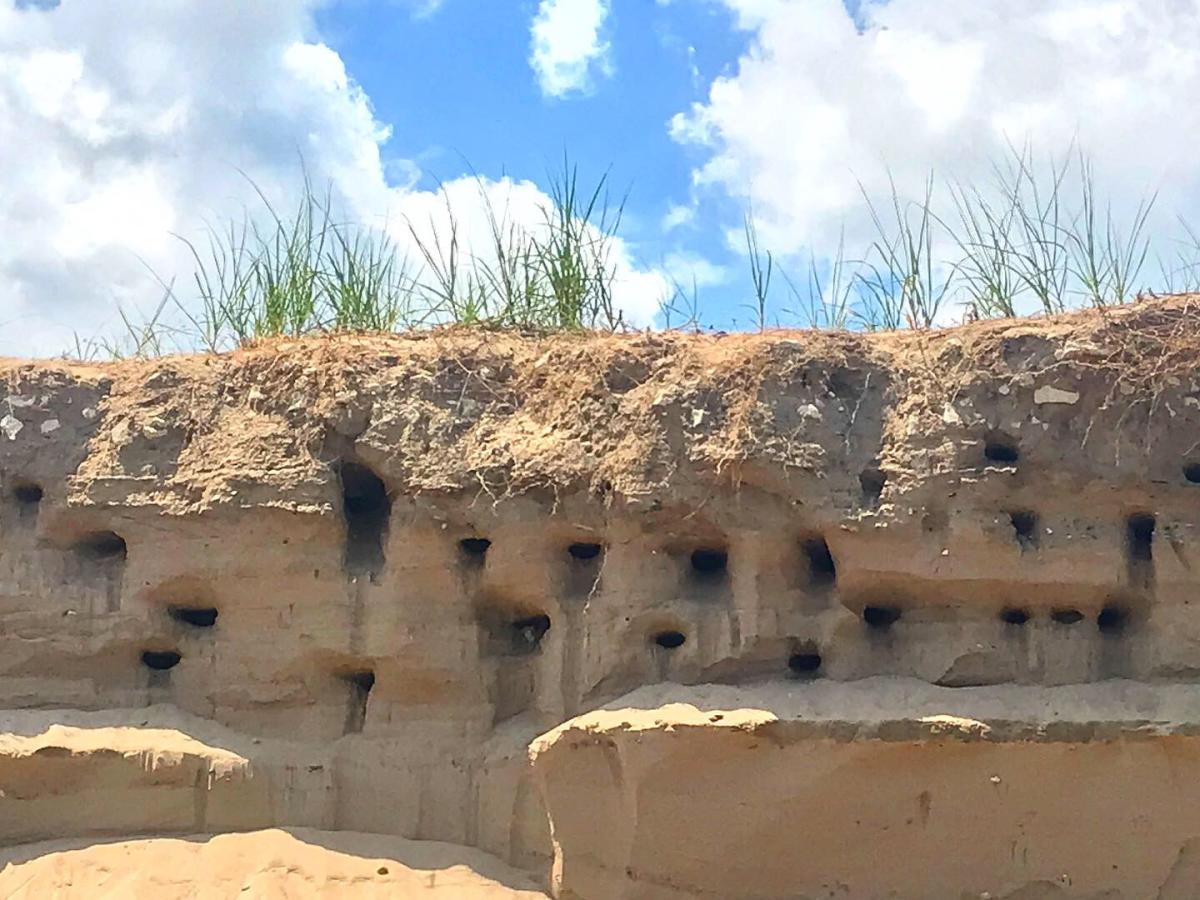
x=292, y=864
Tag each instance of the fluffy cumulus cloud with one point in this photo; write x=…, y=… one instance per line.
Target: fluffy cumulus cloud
x=123, y=122
x=823, y=101
x=568, y=50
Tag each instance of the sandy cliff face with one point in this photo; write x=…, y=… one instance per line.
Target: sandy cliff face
x=914, y=610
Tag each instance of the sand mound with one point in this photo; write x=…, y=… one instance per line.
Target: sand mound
x=263, y=864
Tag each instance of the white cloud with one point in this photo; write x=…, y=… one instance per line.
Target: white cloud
x=568, y=50
x=423, y=9
x=688, y=270
x=678, y=216
x=121, y=122
x=819, y=103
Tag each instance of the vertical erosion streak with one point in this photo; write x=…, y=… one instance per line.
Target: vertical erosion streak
x=571, y=655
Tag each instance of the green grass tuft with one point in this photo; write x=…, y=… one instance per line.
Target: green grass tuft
x=1038, y=238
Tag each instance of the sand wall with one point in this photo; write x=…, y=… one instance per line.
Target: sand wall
x=360, y=584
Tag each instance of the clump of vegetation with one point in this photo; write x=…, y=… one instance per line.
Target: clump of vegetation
x=309, y=272
x=1036, y=239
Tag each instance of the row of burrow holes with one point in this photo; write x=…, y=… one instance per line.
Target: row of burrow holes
x=367, y=509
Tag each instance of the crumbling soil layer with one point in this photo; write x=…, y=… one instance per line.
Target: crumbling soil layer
x=653, y=615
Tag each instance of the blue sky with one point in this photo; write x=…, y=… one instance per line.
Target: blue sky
x=124, y=124
x=457, y=89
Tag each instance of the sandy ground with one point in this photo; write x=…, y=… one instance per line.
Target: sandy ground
x=269, y=864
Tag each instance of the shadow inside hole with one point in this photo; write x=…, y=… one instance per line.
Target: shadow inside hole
x=1112, y=619
x=195, y=616
x=1191, y=472
x=881, y=618
x=822, y=571
x=1014, y=616
x=474, y=549
x=872, y=483
x=160, y=660
x=527, y=633
x=583, y=569
x=367, y=510
x=101, y=545
x=709, y=564
x=28, y=494
x=584, y=552
x=1139, y=529
x=359, y=685
x=999, y=447
x=805, y=663
x=1139, y=550
x=1066, y=616
x=1025, y=528
x=669, y=640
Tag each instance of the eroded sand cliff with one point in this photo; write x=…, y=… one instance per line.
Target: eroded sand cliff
x=644, y=616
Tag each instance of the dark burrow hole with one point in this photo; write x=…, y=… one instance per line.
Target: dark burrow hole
x=160, y=660
x=872, y=482
x=822, y=571
x=196, y=616
x=474, y=548
x=527, y=633
x=28, y=494
x=360, y=684
x=999, y=447
x=708, y=563
x=669, y=640
x=805, y=663
x=1014, y=616
x=367, y=508
x=1112, y=619
x=101, y=545
x=584, y=552
x=1025, y=527
x=881, y=617
x=1191, y=472
x=1066, y=616
x=1139, y=535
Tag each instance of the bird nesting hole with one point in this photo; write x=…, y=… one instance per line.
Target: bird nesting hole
x=709, y=564
x=872, y=483
x=805, y=662
x=999, y=447
x=1139, y=534
x=195, y=616
x=1025, y=528
x=27, y=494
x=528, y=631
x=822, y=571
x=358, y=684
x=669, y=640
x=101, y=546
x=1112, y=619
x=160, y=660
x=474, y=549
x=1014, y=616
x=367, y=509
x=512, y=632
x=584, y=551
x=881, y=618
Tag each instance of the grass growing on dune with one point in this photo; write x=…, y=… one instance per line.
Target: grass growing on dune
x=306, y=271
x=1039, y=237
